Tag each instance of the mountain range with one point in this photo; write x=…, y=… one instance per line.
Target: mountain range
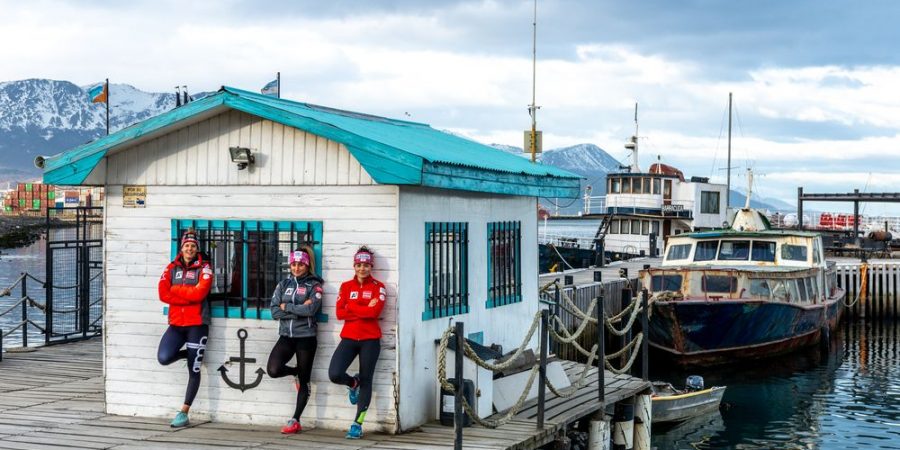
x=45, y=117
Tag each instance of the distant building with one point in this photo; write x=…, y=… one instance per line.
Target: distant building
x=452, y=223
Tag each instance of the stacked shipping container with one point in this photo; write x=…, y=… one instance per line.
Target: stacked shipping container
x=38, y=197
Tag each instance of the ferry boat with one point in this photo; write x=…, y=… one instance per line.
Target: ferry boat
x=741, y=293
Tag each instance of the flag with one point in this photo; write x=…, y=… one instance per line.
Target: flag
x=271, y=88
x=99, y=93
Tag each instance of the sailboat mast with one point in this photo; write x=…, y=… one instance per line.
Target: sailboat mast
x=728, y=190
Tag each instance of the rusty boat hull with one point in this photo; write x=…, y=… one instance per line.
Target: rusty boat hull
x=716, y=332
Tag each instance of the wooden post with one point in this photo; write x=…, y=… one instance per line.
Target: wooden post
x=642, y=421
x=457, y=404
x=627, y=296
x=645, y=343
x=623, y=425
x=542, y=370
x=598, y=437
x=601, y=352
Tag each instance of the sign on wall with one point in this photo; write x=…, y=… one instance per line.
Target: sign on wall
x=134, y=196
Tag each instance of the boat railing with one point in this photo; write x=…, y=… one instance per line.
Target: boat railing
x=637, y=204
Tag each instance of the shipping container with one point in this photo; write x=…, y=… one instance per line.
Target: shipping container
x=51, y=195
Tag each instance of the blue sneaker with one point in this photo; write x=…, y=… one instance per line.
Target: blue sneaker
x=180, y=420
x=355, y=431
x=353, y=393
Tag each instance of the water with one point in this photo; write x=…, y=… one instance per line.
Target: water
x=13, y=262
x=845, y=397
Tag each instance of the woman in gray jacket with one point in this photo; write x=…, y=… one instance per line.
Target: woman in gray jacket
x=295, y=304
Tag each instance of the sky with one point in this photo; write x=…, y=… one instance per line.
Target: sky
x=816, y=84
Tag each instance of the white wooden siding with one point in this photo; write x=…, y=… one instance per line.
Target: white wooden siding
x=138, y=248
x=504, y=325
x=197, y=155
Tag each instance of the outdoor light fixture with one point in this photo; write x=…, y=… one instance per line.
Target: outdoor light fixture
x=241, y=156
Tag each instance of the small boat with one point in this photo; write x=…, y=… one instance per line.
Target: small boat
x=672, y=405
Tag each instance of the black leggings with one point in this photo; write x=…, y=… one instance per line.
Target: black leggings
x=346, y=351
x=194, y=337
x=285, y=349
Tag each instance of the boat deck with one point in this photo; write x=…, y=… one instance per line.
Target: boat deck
x=53, y=397
x=608, y=272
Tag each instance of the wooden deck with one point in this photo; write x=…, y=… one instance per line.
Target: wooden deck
x=53, y=398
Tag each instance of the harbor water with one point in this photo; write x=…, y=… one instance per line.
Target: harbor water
x=13, y=262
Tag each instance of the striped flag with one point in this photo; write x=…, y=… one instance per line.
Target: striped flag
x=99, y=93
x=271, y=88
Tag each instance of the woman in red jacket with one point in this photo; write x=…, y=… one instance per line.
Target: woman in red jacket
x=359, y=305
x=184, y=286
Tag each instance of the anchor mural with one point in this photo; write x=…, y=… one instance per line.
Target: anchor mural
x=242, y=385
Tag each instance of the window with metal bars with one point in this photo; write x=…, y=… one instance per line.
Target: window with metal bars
x=248, y=259
x=446, y=269
x=504, y=263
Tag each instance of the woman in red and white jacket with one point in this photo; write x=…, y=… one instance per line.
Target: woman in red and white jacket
x=185, y=286
x=359, y=305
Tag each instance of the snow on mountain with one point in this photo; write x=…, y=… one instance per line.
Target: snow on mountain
x=587, y=160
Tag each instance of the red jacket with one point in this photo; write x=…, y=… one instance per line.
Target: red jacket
x=359, y=305
x=185, y=289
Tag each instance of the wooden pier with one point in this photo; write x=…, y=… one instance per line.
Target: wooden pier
x=53, y=397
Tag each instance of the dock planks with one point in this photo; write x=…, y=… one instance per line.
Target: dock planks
x=53, y=398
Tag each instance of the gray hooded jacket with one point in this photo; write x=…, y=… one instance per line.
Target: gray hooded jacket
x=297, y=320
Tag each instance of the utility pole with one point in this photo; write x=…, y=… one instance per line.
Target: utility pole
x=728, y=191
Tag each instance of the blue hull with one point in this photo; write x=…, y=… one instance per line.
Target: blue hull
x=724, y=331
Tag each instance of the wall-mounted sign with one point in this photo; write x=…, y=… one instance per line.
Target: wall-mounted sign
x=134, y=196
x=672, y=208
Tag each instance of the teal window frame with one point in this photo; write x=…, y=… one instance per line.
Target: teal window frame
x=206, y=228
x=504, y=287
x=446, y=269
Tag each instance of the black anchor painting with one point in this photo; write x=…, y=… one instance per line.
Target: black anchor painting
x=242, y=335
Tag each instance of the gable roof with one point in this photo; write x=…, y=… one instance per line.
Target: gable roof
x=391, y=151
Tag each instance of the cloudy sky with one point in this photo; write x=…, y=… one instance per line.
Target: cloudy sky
x=816, y=83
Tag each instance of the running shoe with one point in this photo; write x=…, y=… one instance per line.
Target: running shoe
x=353, y=393
x=180, y=420
x=292, y=427
x=355, y=431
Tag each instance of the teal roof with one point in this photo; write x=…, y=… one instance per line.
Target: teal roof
x=391, y=151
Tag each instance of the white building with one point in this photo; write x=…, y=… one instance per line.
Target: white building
x=452, y=224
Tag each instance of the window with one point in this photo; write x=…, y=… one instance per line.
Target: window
x=646, y=189
x=626, y=185
x=804, y=294
x=615, y=185
x=645, y=227
x=446, y=269
x=709, y=202
x=763, y=251
x=637, y=185
x=660, y=283
x=734, y=250
x=635, y=226
x=614, y=227
x=626, y=226
x=248, y=258
x=706, y=251
x=504, y=263
x=680, y=251
x=654, y=227
x=759, y=289
x=793, y=252
x=816, y=251
x=719, y=283
x=656, y=187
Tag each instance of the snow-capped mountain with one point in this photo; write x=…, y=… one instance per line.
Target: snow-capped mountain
x=44, y=117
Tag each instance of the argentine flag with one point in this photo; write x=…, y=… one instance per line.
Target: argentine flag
x=271, y=88
x=98, y=93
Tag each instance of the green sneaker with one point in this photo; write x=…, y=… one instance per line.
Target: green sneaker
x=180, y=420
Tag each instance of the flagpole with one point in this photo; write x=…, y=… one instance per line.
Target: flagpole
x=107, y=106
x=278, y=77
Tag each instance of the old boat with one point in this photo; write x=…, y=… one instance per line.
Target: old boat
x=741, y=293
x=672, y=405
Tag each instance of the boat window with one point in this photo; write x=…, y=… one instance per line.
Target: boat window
x=626, y=227
x=816, y=250
x=719, y=283
x=665, y=283
x=656, y=188
x=645, y=227
x=780, y=291
x=760, y=289
x=654, y=227
x=615, y=185
x=626, y=185
x=680, y=251
x=734, y=250
x=795, y=294
x=614, y=227
x=763, y=251
x=667, y=189
x=635, y=226
x=811, y=289
x=637, y=185
x=801, y=283
x=706, y=251
x=646, y=186
x=793, y=252
x=709, y=202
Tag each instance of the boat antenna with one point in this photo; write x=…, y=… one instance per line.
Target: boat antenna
x=632, y=143
x=532, y=108
x=728, y=192
x=749, y=187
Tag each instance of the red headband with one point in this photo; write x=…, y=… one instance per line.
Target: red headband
x=364, y=257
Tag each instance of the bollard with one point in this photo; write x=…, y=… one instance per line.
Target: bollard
x=542, y=371
x=598, y=436
x=623, y=425
x=642, y=422
x=598, y=276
